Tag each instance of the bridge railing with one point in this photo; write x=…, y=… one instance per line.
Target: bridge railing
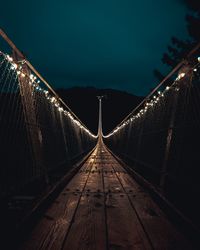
x=39, y=134
x=160, y=138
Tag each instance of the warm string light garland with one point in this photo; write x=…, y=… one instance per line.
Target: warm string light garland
x=34, y=82
x=155, y=99
x=54, y=101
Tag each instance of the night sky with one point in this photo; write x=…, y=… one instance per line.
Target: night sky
x=106, y=44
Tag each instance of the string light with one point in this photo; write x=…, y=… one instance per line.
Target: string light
x=31, y=76
x=140, y=113
x=181, y=75
x=9, y=58
x=56, y=103
x=35, y=84
x=13, y=66
x=155, y=100
x=53, y=99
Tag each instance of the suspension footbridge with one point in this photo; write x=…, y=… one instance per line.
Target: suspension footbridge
x=63, y=187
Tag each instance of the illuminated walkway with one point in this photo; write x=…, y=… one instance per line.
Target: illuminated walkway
x=102, y=207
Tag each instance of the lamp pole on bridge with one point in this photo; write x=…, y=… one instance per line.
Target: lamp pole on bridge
x=100, y=118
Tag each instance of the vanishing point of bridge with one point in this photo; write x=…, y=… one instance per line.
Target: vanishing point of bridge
x=62, y=187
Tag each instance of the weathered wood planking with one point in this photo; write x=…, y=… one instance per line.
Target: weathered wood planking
x=94, y=183
x=112, y=185
x=102, y=207
x=88, y=230
x=124, y=228
x=51, y=230
x=53, y=227
x=161, y=232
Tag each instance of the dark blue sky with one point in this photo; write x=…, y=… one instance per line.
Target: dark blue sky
x=106, y=44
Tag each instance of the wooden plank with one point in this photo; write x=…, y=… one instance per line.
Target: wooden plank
x=96, y=167
x=88, y=164
x=124, y=228
x=88, y=230
x=128, y=183
x=161, y=232
x=78, y=182
x=94, y=183
x=112, y=185
x=51, y=230
x=107, y=167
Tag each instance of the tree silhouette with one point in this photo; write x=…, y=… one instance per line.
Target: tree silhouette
x=178, y=49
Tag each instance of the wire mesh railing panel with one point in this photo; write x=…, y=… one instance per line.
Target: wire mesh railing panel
x=160, y=138
x=39, y=135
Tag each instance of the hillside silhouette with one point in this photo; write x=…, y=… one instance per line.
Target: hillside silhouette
x=84, y=103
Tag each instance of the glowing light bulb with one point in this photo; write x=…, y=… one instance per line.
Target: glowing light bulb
x=181, y=75
x=14, y=66
x=53, y=99
x=9, y=58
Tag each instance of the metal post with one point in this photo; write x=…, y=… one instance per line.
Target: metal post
x=100, y=119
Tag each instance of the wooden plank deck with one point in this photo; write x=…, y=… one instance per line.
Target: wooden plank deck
x=102, y=207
